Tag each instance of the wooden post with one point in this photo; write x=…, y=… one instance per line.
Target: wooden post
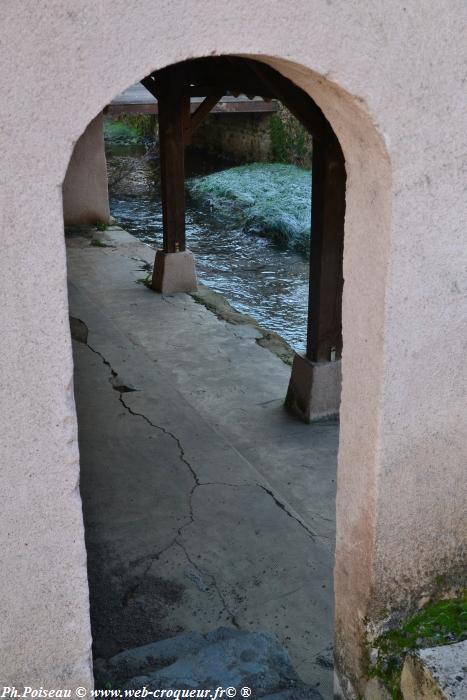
x=199, y=115
x=173, y=110
x=324, y=342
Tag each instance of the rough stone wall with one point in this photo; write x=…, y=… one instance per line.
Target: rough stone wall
x=391, y=79
x=241, y=138
x=248, y=138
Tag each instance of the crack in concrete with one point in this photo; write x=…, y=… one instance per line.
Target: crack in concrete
x=225, y=483
x=183, y=458
x=166, y=432
x=283, y=507
x=123, y=389
x=129, y=594
x=163, y=430
x=214, y=584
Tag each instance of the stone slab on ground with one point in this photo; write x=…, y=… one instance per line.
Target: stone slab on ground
x=226, y=657
x=143, y=660
x=437, y=673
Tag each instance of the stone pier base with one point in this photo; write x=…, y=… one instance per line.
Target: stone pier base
x=314, y=389
x=174, y=272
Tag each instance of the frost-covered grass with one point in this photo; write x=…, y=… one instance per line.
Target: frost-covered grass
x=268, y=199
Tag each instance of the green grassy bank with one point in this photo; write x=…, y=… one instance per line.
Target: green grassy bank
x=267, y=199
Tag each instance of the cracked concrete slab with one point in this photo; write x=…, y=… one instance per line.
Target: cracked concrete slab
x=204, y=502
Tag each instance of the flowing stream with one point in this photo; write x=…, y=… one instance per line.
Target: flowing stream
x=257, y=276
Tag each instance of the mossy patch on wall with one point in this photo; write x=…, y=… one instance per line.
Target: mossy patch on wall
x=441, y=622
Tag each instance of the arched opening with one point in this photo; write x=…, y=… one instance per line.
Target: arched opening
x=122, y=386
x=314, y=390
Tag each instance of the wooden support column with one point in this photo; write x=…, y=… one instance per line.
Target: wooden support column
x=324, y=341
x=199, y=115
x=173, y=108
x=315, y=382
x=174, y=266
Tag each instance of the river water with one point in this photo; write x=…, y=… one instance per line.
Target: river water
x=255, y=275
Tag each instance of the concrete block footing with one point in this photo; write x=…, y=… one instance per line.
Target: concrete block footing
x=314, y=389
x=174, y=272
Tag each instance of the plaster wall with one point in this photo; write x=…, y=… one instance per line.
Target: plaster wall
x=85, y=188
x=391, y=79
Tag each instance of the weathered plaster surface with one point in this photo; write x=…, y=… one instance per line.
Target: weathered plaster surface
x=391, y=78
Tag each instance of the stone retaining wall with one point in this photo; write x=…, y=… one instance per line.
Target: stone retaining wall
x=240, y=138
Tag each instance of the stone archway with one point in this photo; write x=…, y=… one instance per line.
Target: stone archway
x=354, y=644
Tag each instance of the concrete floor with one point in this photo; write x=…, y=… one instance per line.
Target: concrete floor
x=204, y=502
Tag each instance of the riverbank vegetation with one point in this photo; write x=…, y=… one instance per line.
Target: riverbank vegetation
x=267, y=199
x=290, y=141
x=129, y=129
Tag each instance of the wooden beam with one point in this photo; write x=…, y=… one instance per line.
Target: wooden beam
x=324, y=341
x=186, y=119
x=151, y=85
x=225, y=87
x=200, y=78
x=172, y=118
x=210, y=71
x=294, y=98
x=202, y=111
x=222, y=107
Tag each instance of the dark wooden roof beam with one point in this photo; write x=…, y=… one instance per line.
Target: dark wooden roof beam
x=294, y=98
x=201, y=112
